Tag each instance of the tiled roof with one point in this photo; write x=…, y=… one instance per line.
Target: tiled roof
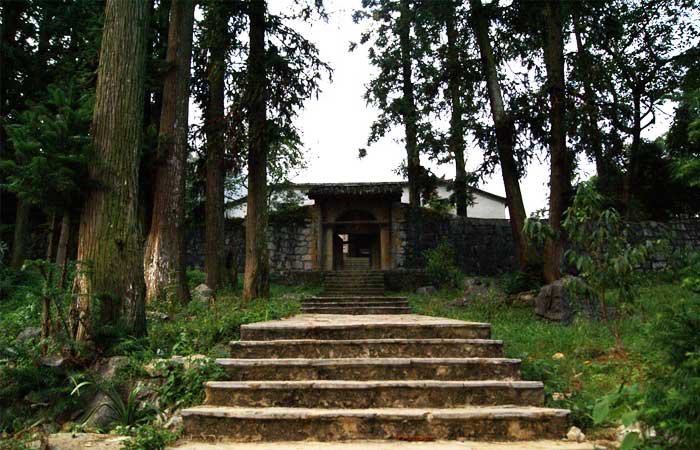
x=387, y=189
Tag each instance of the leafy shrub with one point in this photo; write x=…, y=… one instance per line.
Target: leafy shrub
x=441, y=267
x=149, y=437
x=671, y=405
x=515, y=282
x=183, y=388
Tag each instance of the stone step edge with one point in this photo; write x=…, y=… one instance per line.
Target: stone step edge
x=365, y=326
x=355, y=304
x=366, y=341
x=362, y=361
x=354, y=297
x=475, y=412
x=372, y=384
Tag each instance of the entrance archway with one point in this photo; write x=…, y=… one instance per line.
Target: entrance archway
x=357, y=241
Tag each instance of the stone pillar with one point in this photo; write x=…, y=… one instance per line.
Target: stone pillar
x=385, y=246
x=328, y=248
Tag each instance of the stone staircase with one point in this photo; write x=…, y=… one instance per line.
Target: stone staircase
x=328, y=377
x=356, y=291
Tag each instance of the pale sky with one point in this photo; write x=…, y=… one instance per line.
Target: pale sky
x=336, y=124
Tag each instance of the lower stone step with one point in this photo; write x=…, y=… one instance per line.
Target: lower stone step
x=415, y=424
x=310, y=326
x=368, y=348
x=356, y=310
x=372, y=369
x=373, y=394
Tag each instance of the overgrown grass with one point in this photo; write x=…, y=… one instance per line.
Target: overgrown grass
x=578, y=363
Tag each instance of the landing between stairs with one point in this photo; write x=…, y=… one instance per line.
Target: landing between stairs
x=373, y=445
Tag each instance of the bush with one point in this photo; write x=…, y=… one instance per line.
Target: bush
x=515, y=282
x=184, y=388
x=441, y=267
x=149, y=437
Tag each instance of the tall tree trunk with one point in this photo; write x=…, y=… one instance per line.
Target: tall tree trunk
x=19, y=242
x=50, y=237
x=62, y=249
x=505, y=135
x=589, y=103
x=408, y=105
x=559, y=179
x=256, y=281
x=630, y=180
x=164, y=264
x=456, y=140
x=110, y=245
x=214, y=246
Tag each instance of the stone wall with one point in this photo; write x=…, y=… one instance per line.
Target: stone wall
x=482, y=246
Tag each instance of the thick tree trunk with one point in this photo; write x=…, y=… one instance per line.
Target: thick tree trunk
x=110, y=246
x=164, y=264
x=456, y=140
x=630, y=180
x=409, y=113
x=256, y=281
x=559, y=180
x=215, y=246
x=505, y=134
x=62, y=249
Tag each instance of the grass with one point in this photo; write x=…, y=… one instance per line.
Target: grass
x=579, y=363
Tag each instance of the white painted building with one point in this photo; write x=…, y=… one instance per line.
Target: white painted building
x=485, y=204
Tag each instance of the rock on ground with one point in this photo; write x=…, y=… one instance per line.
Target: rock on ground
x=554, y=302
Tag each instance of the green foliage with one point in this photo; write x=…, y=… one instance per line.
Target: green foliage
x=150, y=437
x=52, y=147
x=125, y=411
x=441, y=267
x=515, y=282
x=184, y=388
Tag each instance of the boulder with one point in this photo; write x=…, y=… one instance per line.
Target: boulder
x=575, y=435
x=554, y=302
x=426, y=290
x=202, y=293
x=28, y=333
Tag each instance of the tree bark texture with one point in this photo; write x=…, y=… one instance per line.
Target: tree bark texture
x=19, y=242
x=215, y=246
x=505, y=135
x=164, y=265
x=256, y=281
x=456, y=139
x=62, y=249
x=408, y=105
x=559, y=181
x=110, y=246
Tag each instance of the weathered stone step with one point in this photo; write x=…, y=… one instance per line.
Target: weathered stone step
x=373, y=394
x=296, y=424
x=368, y=348
x=353, y=291
x=310, y=326
x=372, y=369
x=311, y=303
x=356, y=310
x=355, y=298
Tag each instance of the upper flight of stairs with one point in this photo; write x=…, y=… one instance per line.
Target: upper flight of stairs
x=359, y=377
x=355, y=291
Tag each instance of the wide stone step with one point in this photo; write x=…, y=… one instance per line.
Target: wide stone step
x=373, y=394
x=311, y=326
x=316, y=303
x=356, y=310
x=353, y=291
x=296, y=424
x=368, y=348
x=298, y=369
x=356, y=298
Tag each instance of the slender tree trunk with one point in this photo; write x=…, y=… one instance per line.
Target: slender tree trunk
x=50, y=237
x=256, y=281
x=505, y=135
x=408, y=106
x=110, y=245
x=630, y=180
x=62, y=250
x=456, y=140
x=214, y=246
x=164, y=264
x=559, y=180
x=19, y=243
x=589, y=102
